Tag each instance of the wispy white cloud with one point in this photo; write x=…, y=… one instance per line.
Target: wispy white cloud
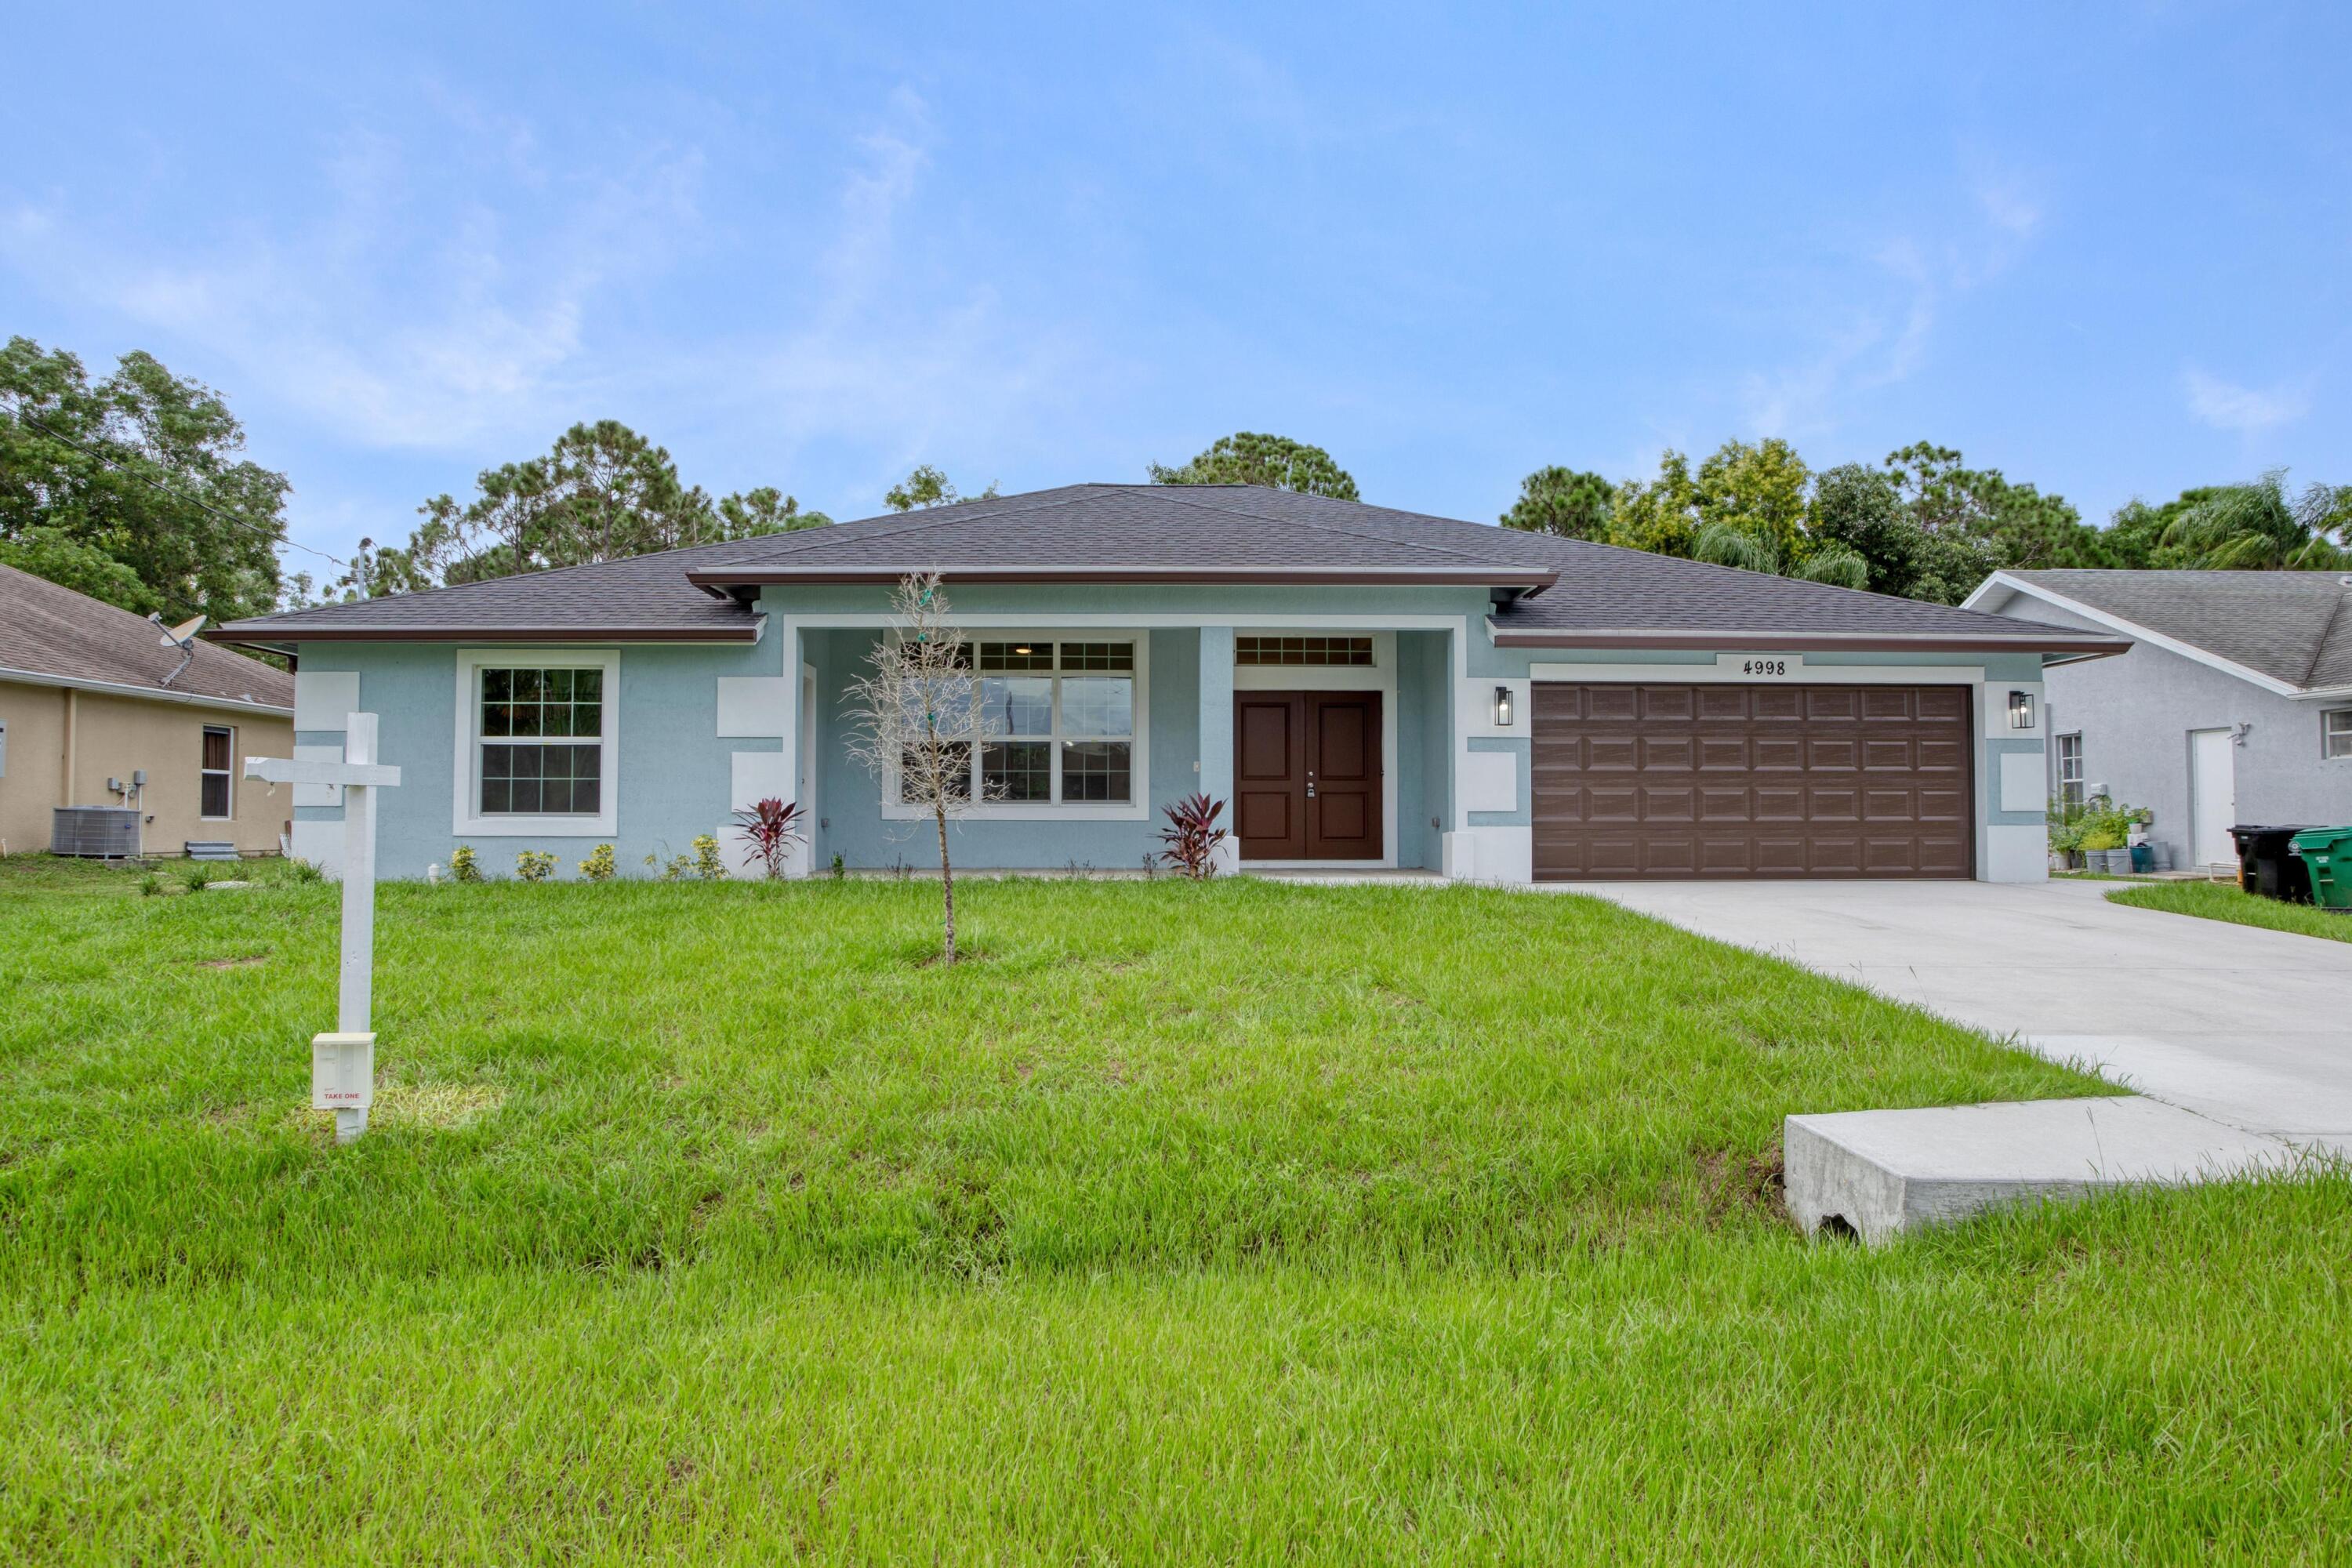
x=2008, y=205
x=392, y=317
x=449, y=297
x=2226, y=405
x=905, y=351
x=1882, y=330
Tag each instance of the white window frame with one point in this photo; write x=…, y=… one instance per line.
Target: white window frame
x=466, y=820
x=2328, y=735
x=1137, y=808
x=2058, y=761
x=229, y=773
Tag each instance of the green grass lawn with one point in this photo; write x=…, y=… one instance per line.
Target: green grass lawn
x=1241, y=1222
x=2225, y=901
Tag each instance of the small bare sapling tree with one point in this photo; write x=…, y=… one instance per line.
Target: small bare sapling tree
x=918, y=717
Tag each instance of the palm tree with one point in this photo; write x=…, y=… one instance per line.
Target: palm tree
x=1728, y=546
x=2259, y=527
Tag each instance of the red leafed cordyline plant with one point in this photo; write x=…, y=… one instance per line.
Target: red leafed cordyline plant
x=772, y=827
x=1193, y=836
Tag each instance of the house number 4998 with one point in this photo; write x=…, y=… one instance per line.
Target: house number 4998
x=1764, y=666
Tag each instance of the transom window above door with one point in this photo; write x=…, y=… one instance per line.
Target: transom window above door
x=1303, y=650
x=1061, y=724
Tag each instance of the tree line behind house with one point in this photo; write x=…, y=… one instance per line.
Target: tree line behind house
x=1923, y=523
x=133, y=487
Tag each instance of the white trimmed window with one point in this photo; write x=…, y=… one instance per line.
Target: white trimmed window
x=2070, y=771
x=215, y=779
x=2336, y=733
x=536, y=733
x=1065, y=728
x=542, y=740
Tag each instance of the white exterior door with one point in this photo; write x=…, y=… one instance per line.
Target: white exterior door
x=2212, y=797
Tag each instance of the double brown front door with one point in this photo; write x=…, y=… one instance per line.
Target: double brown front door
x=1307, y=774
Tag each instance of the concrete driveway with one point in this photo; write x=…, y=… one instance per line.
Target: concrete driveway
x=2247, y=1026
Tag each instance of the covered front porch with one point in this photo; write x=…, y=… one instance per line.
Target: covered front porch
x=1329, y=739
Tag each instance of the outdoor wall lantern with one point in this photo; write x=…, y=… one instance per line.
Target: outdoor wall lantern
x=2021, y=710
x=1502, y=708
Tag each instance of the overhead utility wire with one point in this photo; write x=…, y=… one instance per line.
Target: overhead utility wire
x=270, y=533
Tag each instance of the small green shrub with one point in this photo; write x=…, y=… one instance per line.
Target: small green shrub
x=194, y=877
x=2097, y=824
x=307, y=871
x=598, y=866
x=533, y=865
x=706, y=862
x=674, y=868
x=463, y=867
x=840, y=869
x=150, y=885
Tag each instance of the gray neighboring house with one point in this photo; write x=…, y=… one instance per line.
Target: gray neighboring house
x=2233, y=705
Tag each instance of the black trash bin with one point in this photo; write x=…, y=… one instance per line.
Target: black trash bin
x=2268, y=864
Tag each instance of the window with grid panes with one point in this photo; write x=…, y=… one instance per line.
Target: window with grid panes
x=542, y=742
x=1302, y=651
x=2070, y=771
x=1061, y=721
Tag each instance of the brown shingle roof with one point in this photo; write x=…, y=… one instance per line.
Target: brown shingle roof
x=1101, y=532
x=46, y=629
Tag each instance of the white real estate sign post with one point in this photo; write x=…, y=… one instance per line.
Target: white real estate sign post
x=343, y=1064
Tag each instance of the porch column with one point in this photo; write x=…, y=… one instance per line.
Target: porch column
x=763, y=707
x=1216, y=778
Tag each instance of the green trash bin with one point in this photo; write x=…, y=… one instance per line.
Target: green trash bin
x=2326, y=854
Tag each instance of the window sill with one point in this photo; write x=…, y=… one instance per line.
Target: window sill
x=1041, y=811
x=601, y=826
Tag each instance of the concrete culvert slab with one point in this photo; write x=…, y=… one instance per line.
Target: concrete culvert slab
x=1877, y=1173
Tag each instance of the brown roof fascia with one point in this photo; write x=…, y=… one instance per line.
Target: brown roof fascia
x=280, y=637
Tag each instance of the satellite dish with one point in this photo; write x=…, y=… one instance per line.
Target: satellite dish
x=181, y=636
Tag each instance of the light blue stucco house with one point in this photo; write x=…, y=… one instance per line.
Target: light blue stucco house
x=1367, y=687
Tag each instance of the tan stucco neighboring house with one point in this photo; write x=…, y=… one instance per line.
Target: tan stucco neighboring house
x=90, y=693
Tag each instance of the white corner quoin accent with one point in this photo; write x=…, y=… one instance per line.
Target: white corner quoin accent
x=319, y=794
x=2022, y=783
x=1503, y=855
x=325, y=699
x=754, y=707
x=1490, y=781
x=755, y=776
x=2015, y=854
x=467, y=823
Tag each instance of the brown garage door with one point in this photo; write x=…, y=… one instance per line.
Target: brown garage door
x=1752, y=781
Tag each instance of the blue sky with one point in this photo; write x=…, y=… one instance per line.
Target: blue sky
x=2107, y=249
